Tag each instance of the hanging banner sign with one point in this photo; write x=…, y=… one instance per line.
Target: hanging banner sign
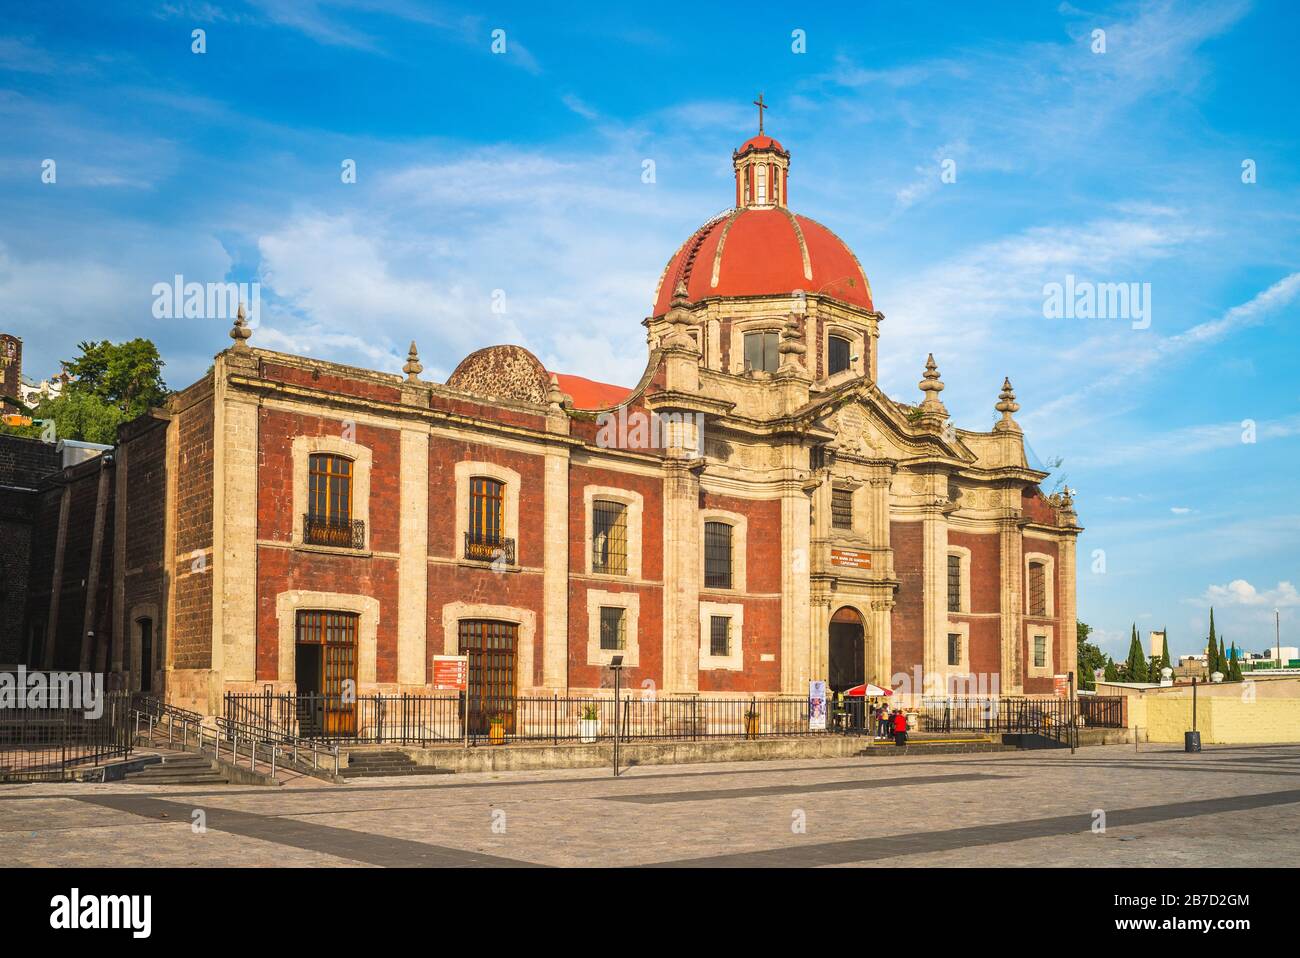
x=816, y=705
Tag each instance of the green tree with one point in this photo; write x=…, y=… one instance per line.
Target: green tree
x=114, y=384
x=1090, y=658
x=1165, y=663
x=1112, y=673
x=126, y=375
x=1135, y=667
x=1235, y=665
x=1212, y=650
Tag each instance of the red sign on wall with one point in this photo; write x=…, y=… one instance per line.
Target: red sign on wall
x=451, y=672
x=851, y=558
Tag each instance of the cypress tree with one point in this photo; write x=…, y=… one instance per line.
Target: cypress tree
x=1112, y=673
x=1225, y=664
x=1136, y=666
x=1212, y=651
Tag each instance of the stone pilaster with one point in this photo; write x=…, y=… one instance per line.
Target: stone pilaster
x=56, y=579
x=412, y=559
x=880, y=643
x=234, y=512
x=682, y=576
x=90, y=643
x=121, y=625
x=555, y=571
x=1068, y=640
x=797, y=658
x=1012, y=679
x=934, y=544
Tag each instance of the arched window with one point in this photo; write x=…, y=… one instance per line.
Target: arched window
x=762, y=183
x=761, y=352
x=839, y=355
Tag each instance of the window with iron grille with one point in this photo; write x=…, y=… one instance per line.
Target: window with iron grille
x=842, y=508
x=613, y=628
x=761, y=351
x=486, y=508
x=1040, y=651
x=608, y=537
x=954, y=584
x=954, y=648
x=838, y=355
x=717, y=555
x=1037, y=589
x=719, y=635
x=329, y=490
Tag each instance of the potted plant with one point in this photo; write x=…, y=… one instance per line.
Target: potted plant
x=497, y=730
x=751, y=722
x=589, y=723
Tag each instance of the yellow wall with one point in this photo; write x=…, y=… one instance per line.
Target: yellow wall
x=1221, y=720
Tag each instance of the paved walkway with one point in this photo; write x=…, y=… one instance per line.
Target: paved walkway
x=1225, y=807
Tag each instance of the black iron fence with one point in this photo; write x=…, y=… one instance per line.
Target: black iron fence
x=52, y=744
x=430, y=719
x=1020, y=713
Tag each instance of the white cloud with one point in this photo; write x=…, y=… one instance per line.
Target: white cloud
x=1241, y=592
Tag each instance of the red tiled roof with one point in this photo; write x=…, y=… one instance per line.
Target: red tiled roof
x=589, y=394
x=761, y=142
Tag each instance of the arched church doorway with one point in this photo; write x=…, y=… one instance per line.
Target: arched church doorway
x=847, y=646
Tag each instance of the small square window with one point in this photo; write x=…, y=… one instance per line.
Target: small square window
x=613, y=628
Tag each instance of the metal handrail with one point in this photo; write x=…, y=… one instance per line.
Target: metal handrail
x=280, y=754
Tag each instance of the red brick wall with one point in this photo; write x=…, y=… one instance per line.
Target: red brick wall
x=478, y=583
x=191, y=639
x=985, y=652
x=276, y=432
x=1059, y=665
x=764, y=562
x=650, y=624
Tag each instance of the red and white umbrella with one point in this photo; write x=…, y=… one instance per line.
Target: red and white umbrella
x=867, y=691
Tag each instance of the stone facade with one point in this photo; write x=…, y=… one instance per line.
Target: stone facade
x=863, y=538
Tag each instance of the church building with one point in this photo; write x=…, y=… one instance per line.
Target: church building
x=752, y=514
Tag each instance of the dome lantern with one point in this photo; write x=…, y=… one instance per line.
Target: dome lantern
x=762, y=169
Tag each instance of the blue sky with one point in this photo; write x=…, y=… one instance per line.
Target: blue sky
x=522, y=172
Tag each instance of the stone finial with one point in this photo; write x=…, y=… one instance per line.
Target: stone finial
x=1007, y=405
x=554, y=394
x=931, y=385
x=240, y=331
x=413, y=367
x=1067, y=515
x=791, y=348
x=679, y=319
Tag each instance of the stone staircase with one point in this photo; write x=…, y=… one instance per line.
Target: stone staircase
x=385, y=764
x=178, y=768
x=932, y=743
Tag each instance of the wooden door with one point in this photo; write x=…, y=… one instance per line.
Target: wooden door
x=335, y=634
x=492, y=648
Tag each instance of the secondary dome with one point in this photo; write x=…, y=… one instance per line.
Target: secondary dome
x=760, y=248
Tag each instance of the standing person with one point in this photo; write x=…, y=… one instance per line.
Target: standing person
x=900, y=728
x=882, y=720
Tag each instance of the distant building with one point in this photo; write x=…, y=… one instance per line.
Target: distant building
x=1156, y=641
x=11, y=371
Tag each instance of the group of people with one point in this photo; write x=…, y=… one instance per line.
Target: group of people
x=891, y=724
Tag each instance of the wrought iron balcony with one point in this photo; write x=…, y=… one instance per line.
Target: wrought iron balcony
x=331, y=531
x=486, y=549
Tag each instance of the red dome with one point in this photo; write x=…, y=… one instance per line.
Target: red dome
x=764, y=250
x=761, y=142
